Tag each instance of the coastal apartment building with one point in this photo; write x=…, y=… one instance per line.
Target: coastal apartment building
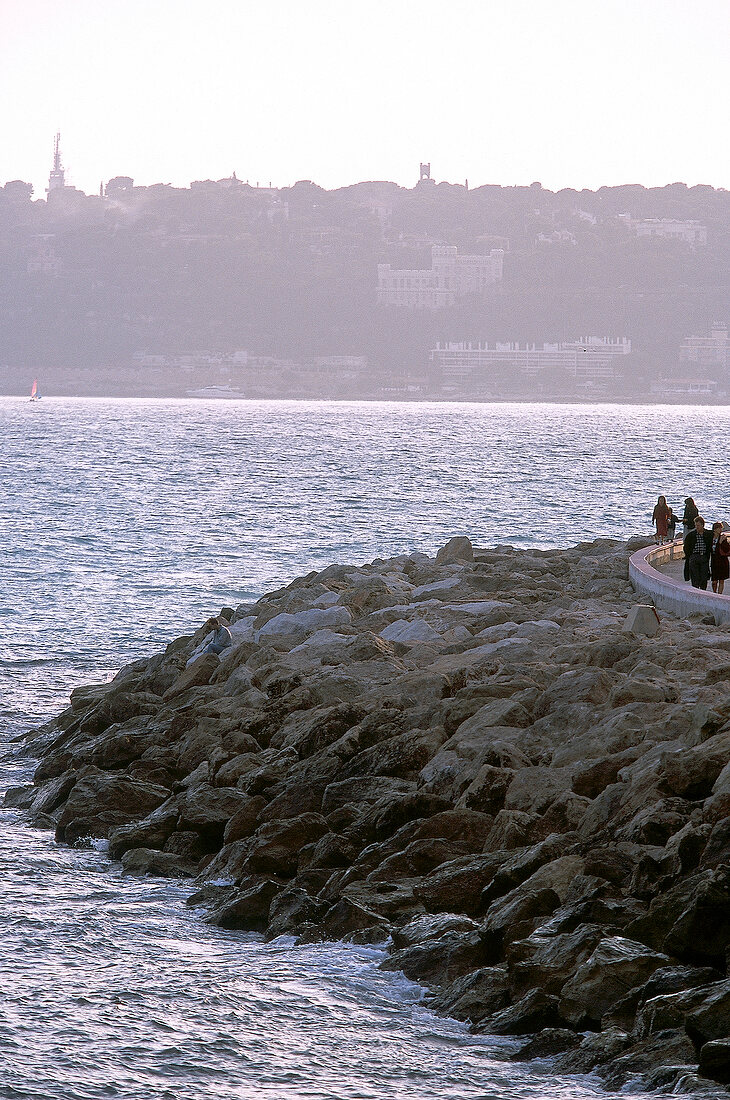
x=449, y=278
x=707, y=354
x=591, y=359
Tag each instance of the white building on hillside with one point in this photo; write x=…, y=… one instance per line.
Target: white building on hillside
x=707, y=353
x=450, y=277
x=690, y=232
x=588, y=359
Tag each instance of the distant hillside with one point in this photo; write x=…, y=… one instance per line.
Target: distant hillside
x=92, y=280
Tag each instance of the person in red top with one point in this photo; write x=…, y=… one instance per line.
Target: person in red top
x=660, y=516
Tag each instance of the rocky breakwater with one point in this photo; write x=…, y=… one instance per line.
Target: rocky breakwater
x=467, y=758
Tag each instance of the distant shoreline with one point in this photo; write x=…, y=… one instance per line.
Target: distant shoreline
x=391, y=399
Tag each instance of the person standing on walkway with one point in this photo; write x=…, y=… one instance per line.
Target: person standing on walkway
x=660, y=517
x=671, y=526
x=698, y=551
x=719, y=563
x=691, y=512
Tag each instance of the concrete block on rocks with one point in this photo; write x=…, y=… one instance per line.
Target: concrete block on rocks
x=642, y=619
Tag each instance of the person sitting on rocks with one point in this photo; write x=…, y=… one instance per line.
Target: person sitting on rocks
x=698, y=552
x=215, y=641
x=719, y=563
x=219, y=638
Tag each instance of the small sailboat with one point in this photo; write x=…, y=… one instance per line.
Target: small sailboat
x=34, y=392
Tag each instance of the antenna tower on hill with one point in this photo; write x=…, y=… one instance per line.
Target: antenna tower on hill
x=57, y=177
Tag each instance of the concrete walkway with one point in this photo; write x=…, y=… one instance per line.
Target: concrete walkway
x=658, y=571
x=673, y=569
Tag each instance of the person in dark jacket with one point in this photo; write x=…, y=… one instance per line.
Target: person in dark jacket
x=698, y=552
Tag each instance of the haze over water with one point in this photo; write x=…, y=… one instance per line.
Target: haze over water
x=125, y=524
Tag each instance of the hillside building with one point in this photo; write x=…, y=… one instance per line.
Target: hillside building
x=707, y=354
x=449, y=278
x=690, y=232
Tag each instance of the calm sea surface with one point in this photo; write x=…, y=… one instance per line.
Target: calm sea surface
x=126, y=523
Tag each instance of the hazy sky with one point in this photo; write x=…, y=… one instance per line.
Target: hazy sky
x=569, y=92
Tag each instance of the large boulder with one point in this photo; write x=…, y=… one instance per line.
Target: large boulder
x=615, y=966
x=642, y=619
x=360, y=789
x=546, y=959
x=207, y=810
x=534, y=1012
x=151, y=831
x=148, y=861
x=301, y=623
x=199, y=673
x=452, y=950
x=291, y=909
x=401, y=756
x=275, y=847
x=710, y=1020
x=457, y=549
x=715, y=1060
x=515, y=914
x=473, y=996
x=541, y=859
x=349, y=920
x=701, y=932
x=100, y=802
x=244, y=821
x=458, y=884
x=546, y=1043
x=666, y=981
x=248, y=909
x=693, y=772
x=389, y=814
x=406, y=632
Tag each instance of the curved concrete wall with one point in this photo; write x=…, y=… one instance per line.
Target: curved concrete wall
x=670, y=594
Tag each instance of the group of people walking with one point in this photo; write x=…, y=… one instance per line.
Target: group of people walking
x=706, y=553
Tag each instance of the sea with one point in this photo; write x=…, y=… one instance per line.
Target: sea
x=126, y=523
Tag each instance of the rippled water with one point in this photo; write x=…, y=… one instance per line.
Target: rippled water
x=124, y=524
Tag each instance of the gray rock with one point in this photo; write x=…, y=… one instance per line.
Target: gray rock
x=474, y=996
x=248, y=909
x=534, y=1012
x=198, y=674
x=438, y=960
x=616, y=966
x=715, y=1060
x=147, y=861
x=546, y=1044
x=99, y=803
x=207, y=810
x=457, y=549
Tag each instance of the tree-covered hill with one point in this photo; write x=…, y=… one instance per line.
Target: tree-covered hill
x=92, y=280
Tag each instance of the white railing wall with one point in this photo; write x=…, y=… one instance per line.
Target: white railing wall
x=669, y=594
